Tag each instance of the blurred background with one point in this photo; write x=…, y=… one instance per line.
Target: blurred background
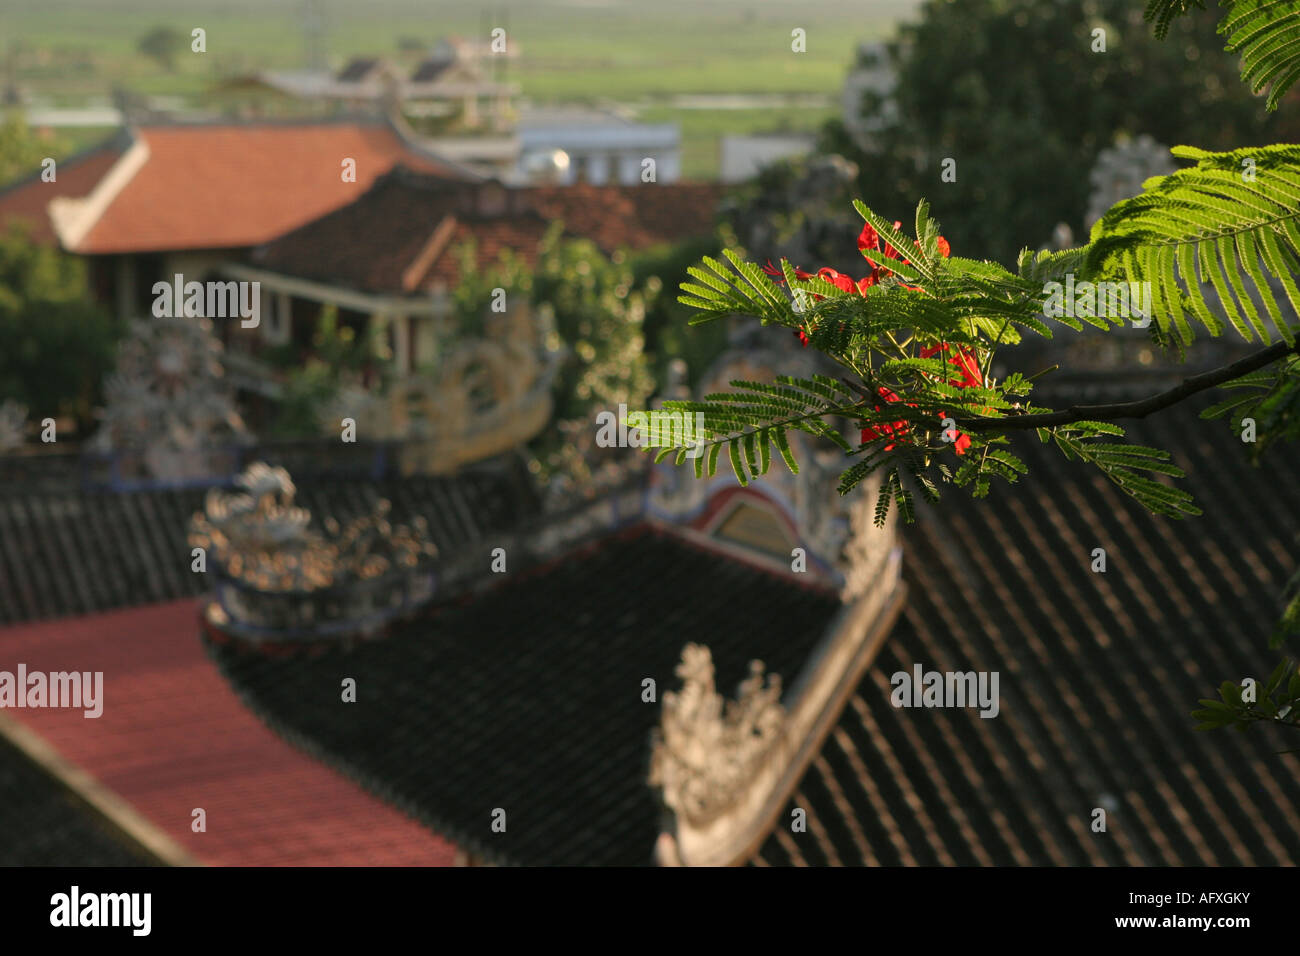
x=434, y=242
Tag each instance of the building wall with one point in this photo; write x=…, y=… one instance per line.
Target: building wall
x=744, y=156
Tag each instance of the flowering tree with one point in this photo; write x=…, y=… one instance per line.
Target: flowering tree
x=916, y=335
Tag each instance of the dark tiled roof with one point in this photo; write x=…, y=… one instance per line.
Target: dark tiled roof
x=527, y=696
x=630, y=216
x=430, y=69
x=357, y=69
x=42, y=823
x=1098, y=675
x=393, y=221
x=68, y=551
x=397, y=219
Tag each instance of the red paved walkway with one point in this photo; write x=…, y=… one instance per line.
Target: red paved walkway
x=174, y=736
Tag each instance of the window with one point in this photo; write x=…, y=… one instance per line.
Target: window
x=756, y=527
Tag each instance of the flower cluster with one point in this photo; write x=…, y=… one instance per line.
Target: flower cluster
x=964, y=360
x=892, y=430
x=966, y=363
x=868, y=241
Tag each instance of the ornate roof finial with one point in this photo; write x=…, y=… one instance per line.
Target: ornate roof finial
x=13, y=424
x=169, y=399
x=284, y=575
x=707, y=749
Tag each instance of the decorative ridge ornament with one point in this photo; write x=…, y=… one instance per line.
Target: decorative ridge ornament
x=13, y=424
x=726, y=769
x=706, y=750
x=169, y=402
x=486, y=396
x=280, y=577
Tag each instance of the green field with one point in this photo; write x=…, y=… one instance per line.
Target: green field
x=70, y=52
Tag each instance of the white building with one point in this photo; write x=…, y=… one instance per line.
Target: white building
x=743, y=156
x=569, y=146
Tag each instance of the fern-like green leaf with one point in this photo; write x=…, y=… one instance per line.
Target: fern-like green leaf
x=1163, y=12
x=1190, y=230
x=1264, y=33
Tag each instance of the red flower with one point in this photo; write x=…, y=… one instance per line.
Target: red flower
x=846, y=283
x=964, y=360
x=776, y=272
x=842, y=282
x=967, y=363
x=890, y=251
x=891, y=430
x=868, y=238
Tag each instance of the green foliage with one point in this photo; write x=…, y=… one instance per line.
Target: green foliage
x=1277, y=702
x=21, y=150
x=1014, y=91
x=1217, y=222
x=314, y=378
x=598, y=317
x=899, y=339
x=1161, y=13
x=668, y=334
x=1124, y=463
x=307, y=390
x=1271, y=397
x=1288, y=624
x=1265, y=33
x=55, y=344
x=1217, y=225
x=161, y=44
x=756, y=418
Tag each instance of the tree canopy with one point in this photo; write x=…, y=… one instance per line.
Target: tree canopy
x=1024, y=95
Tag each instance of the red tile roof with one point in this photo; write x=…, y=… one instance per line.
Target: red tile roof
x=173, y=737
x=234, y=185
x=28, y=199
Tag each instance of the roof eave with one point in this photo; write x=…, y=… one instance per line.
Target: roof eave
x=818, y=696
x=74, y=219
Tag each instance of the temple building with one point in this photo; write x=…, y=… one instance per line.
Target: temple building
x=157, y=200
x=566, y=696
x=403, y=651
x=451, y=87
x=273, y=204
x=558, y=688
x=413, y=227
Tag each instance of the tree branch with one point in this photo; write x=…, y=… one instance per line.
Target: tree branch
x=1137, y=409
